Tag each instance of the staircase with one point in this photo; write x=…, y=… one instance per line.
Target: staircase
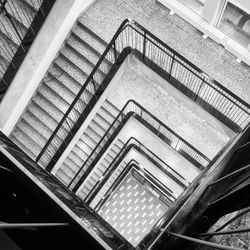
x=65, y=77
x=86, y=144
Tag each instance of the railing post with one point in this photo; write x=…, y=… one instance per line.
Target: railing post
x=198, y=92
x=144, y=44
x=172, y=64
x=115, y=52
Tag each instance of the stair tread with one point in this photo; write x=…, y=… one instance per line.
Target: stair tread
x=87, y=138
x=3, y=65
x=85, y=34
x=45, y=104
x=68, y=169
x=94, y=136
x=62, y=176
x=112, y=109
x=76, y=159
x=81, y=154
x=59, y=88
x=99, y=129
x=92, y=27
x=31, y=132
x=20, y=13
x=6, y=29
x=23, y=147
x=77, y=60
x=85, y=147
x=54, y=98
x=64, y=78
x=27, y=141
x=41, y=127
x=34, y=4
x=9, y=48
x=83, y=48
x=77, y=73
x=42, y=115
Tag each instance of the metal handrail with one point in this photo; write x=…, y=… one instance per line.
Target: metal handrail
x=133, y=108
x=131, y=143
x=176, y=69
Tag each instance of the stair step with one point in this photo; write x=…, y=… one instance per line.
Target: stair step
x=76, y=159
x=64, y=78
x=71, y=164
x=42, y=115
x=3, y=65
x=95, y=29
x=63, y=177
x=54, y=98
x=66, y=65
x=59, y=88
x=78, y=151
x=34, y=4
x=50, y=108
x=90, y=37
x=111, y=108
x=106, y=114
x=85, y=147
x=102, y=121
x=83, y=48
x=99, y=171
x=20, y=13
x=27, y=141
x=23, y=147
x=9, y=48
x=78, y=60
x=37, y=124
x=31, y=132
x=68, y=170
x=87, y=138
x=94, y=136
x=96, y=127
x=6, y=28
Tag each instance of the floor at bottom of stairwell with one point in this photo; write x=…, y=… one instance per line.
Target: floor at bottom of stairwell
x=132, y=209
x=172, y=111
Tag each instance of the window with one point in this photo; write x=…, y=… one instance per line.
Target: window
x=235, y=23
x=194, y=5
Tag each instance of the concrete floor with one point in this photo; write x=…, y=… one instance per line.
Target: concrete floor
x=105, y=16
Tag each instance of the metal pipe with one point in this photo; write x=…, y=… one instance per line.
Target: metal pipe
x=243, y=230
x=233, y=219
x=204, y=243
x=27, y=225
x=229, y=175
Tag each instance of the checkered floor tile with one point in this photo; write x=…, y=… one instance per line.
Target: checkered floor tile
x=132, y=210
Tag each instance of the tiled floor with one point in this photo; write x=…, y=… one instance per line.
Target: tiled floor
x=132, y=209
x=212, y=58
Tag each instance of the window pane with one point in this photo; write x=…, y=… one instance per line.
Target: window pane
x=194, y=5
x=235, y=23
